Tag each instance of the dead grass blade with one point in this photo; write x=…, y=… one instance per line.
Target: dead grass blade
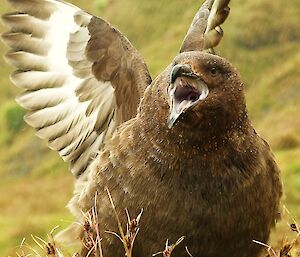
x=132, y=228
x=169, y=248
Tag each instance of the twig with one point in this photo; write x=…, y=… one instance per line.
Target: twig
x=188, y=252
x=127, y=250
x=96, y=226
x=269, y=248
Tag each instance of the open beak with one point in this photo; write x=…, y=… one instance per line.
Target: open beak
x=186, y=89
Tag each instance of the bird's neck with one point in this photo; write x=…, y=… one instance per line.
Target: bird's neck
x=191, y=142
x=189, y=136
x=171, y=156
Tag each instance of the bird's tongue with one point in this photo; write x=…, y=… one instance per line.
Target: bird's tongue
x=184, y=97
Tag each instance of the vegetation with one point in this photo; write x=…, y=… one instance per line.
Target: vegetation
x=91, y=243
x=262, y=40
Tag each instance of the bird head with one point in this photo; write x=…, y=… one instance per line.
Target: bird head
x=204, y=90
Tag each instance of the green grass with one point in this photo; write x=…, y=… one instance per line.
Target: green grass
x=32, y=205
x=261, y=39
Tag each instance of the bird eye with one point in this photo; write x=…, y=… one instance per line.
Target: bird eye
x=214, y=71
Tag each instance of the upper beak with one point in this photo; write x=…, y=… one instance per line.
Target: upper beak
x=184, y=93
x=181, y=70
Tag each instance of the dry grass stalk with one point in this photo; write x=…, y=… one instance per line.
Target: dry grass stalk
x=169, y=248
x=132, y=228
x=188, y=252
x=91, y=239
x=49, y=248
x=286, y=248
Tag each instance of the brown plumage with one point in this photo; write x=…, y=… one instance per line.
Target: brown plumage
x=182, y=148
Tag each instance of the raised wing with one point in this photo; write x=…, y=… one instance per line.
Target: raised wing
x=82, y=77
x=205, y=32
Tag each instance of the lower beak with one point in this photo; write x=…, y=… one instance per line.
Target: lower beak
x=172, y=119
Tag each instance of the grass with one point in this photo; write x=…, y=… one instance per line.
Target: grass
x=262, y=46
x=90, y=239
x=32, y=205
x=90, y=242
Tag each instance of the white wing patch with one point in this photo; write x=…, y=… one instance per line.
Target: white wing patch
x=48, y=49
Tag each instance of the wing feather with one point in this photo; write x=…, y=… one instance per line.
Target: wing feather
x=34, y=80
x=25, y=42
x=205, y=32
x=26, y=61
x=24, y=23
x=80, y=76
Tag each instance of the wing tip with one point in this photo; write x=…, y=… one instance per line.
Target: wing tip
x=20, y=102
x=4, y=18
x=36, y=8
x=15, y=78
x=14, y=58
x=8, y=57
x=27, y=119
x=205, y=31
x=3, y=38
x=7, y=37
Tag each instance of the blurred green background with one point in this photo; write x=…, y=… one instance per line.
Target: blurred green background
x=262, y=39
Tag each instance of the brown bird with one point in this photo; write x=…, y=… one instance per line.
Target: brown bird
x=182, y=147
